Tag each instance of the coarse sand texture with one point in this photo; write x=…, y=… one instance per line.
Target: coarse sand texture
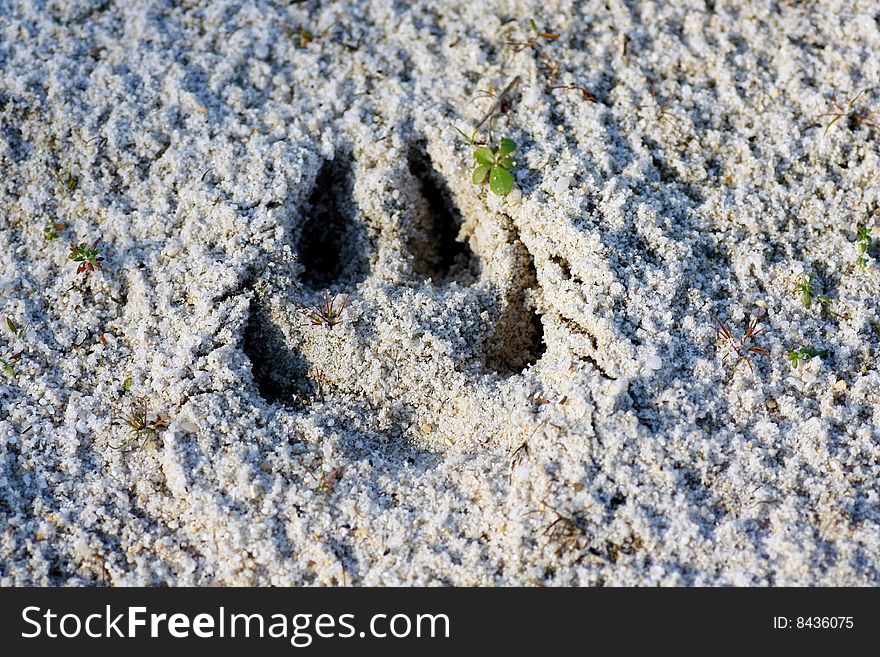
x=259, y=325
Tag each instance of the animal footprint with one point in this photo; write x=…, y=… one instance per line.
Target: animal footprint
x=417, y=266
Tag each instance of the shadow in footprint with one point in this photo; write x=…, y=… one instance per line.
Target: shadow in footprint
x=433, y=240
x=517, y=337
x=279, y=372
x=332, y=247
x=333, y=243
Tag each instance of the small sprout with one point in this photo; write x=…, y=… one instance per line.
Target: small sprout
x=797, y=356
x=549, y=65
x=124, y=388
x=89, y=257
x=847, y=112
x=566, y=529
x=470, y=140
x=743, y=348
x=325, y=481
x=325, y=314
x=143, y=425
x=320, y=382
x=552, y=36
x=805, y=287
x=863, y=239
x=67, y=181
x=15, y=329
x=663, y=113
x=496, y=166
x=586, y=93
x=305, y=36
x=52, y=230
x=7, y=367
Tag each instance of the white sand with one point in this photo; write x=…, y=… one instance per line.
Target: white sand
x=551, y=407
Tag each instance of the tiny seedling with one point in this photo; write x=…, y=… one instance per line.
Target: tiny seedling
x=52, y=230
x=325, y=314
x=306, y=36
x=663, y=113
x=320, y=382
x=124, y=388
x=802, y=355
x=805, y=288
x=7, y=367
x=863, y=239
x=15, y=329
x=495, y=166
x=566, y=529
x=549, y=65
x=325, y=481
x=89, y=257
x=848, y=112
x=472, y=139
x=143, y=424
x=742, y=347
x=67, y=182
x=586, y=93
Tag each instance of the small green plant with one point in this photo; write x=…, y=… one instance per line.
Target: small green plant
x=15, y=329
x=89, y=257
x=495, y=166
x=7, y=367
x=802, y=355
x=325, y=481
x=848, y=112
x=124, y=388
x=67, y=182
x=52, y=230
x=863, y=239
x=325, y=314
x=805, y=287
x=305, y=36
x=742, y=347
x=143, y=424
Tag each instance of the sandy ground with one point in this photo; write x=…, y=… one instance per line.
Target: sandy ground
x=524, y=389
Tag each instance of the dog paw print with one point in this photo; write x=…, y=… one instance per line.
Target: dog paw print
x=440, y=287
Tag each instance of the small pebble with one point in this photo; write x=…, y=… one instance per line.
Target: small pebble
x=563, y=184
